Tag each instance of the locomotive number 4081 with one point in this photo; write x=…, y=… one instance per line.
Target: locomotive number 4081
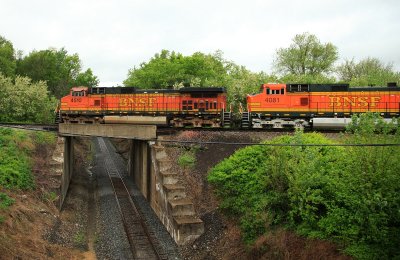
x=272, y=100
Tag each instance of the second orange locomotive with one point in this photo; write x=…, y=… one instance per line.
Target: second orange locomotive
x=318, y=105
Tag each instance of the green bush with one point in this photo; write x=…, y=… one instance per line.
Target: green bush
x=15, y=165
x=5, y=201
x=44, y=137
x=187, y=159
x=345, y=194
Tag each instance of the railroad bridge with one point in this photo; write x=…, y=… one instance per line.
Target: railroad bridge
x=149, y=167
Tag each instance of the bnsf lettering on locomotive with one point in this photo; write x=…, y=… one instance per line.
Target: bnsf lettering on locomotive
x=272, y=100
x=340, y=101
x=138, y=102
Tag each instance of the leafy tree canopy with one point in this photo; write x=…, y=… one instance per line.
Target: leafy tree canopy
x=24, y=101
x=58, y=68
x=167, y=69
x=367, y=72
x=87, y=79
x=306, y=55
x=7, y=58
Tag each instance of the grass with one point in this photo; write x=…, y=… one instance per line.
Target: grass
x=80, y=238
x=187, y=160
x=49, y=196
x=5, y=201
x=16, y=148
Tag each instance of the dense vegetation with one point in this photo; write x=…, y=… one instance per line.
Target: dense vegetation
x=21, y=100
x=345, y=194
x=16, y=150
x=30, y=85
x=16, y=147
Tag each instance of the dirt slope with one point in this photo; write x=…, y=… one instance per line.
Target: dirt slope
x=33, y=227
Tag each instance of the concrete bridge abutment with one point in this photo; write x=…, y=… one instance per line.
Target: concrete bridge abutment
x=151, y=170
x=63, y=162
x=139, y=166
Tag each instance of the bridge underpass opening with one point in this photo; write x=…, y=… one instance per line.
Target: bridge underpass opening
x=150, y=169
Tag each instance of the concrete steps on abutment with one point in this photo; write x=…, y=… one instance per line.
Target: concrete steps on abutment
x=176, y=209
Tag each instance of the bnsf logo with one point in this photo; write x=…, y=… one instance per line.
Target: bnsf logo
x=338, y=101
x=137, y=102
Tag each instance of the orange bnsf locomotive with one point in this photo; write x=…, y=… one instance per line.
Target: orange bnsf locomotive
x=277, y=106
x=317, y=105
x=198, y=107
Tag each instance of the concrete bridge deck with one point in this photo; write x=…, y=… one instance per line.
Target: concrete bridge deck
x=127, y=131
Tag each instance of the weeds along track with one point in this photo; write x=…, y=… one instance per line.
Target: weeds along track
x=143, y=243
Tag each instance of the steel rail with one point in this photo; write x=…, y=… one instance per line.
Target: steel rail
x=142, y=241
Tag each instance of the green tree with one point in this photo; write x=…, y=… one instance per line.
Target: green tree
x=306, y=55
x=367, y=72
x=167, y=69
x=7, y=58
x=56, y=67
x=87, y=79
x=24, y=101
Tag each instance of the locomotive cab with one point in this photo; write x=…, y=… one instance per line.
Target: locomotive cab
x=73, y=105
x=272, y=95
x=79, y=92
x=274, y=89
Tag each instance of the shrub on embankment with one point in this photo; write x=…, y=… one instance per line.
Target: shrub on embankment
x=16, y=148
x=345, y=194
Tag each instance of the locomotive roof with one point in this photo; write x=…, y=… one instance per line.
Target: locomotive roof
x=293, y=87
x=131, y=90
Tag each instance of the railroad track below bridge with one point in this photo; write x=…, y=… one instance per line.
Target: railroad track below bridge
x=143, y=243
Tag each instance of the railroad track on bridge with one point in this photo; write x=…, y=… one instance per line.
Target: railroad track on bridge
x=165, y=130
x=143, y=242
x=35, y=127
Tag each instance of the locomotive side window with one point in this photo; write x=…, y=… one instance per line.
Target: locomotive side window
x=78, y=94
x=275, y=91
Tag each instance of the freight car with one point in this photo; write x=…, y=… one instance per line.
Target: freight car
x=197, y=107
x=317, y=105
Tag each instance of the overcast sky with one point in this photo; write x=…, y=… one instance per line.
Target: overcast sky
x=111, y=37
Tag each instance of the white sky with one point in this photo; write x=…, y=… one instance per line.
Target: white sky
x=111, y=37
